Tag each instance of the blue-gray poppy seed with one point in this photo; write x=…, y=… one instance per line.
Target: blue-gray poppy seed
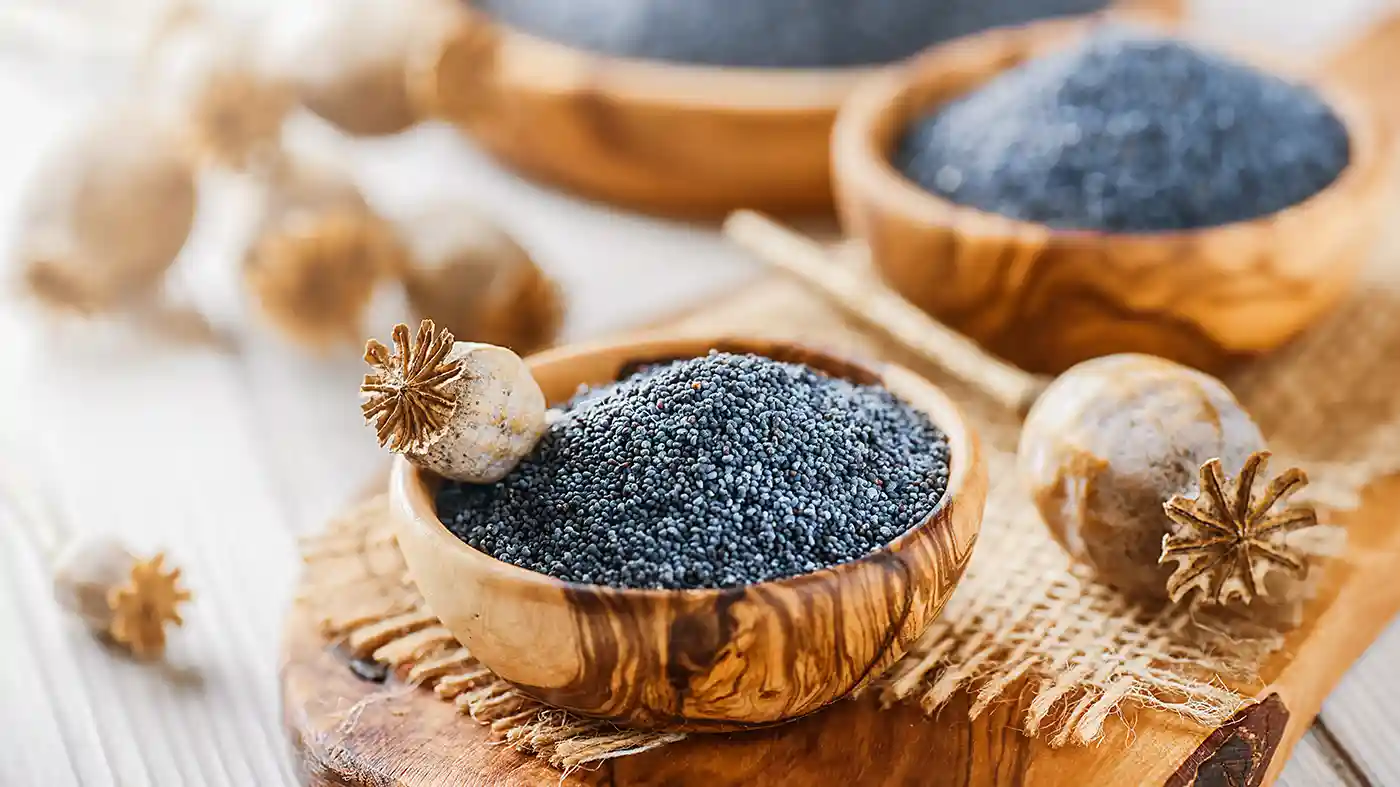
x=1129, y=131
x=620, y=492
x=769, y=33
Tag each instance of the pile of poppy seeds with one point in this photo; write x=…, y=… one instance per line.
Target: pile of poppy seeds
x=1129, y=131
x=713, y=472
x=768, y=33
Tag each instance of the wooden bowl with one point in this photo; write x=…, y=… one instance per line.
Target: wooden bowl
x=1046, y=299
x=658, y=136
x=706, y=660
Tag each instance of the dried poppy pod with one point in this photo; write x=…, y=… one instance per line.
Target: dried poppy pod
x=348, y=60
x=471, y=277
x=1113, y=451
x=1113, y=439
x=317, y=257
x=467, y=411
x=119, y=597
x=106, y=214
x=1226, y=542
x=208, y=79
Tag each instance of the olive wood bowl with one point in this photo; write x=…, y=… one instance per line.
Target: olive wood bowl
x=1046, y=299
x=702, y=660
x=663, y=137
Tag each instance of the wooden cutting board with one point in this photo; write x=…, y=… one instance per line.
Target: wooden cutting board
x=408, y=737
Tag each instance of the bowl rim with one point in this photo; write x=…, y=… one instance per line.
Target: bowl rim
x=658, y=82
x=864, y=171
x=410, y=486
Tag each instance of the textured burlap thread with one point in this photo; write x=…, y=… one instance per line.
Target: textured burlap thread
x=1024, y=623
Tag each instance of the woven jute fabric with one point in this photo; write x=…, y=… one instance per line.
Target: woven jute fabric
x=1024, y=624
x=356, y=587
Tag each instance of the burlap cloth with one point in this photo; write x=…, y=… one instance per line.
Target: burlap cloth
x=1023, y=620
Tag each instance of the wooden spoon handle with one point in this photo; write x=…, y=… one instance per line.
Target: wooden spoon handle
x=861, y=295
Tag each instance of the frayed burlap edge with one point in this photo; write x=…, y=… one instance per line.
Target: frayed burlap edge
x=356, y=587
x=1077, y=649
x=357, y=590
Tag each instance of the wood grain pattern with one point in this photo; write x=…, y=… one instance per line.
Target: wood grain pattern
x=412, y=739
x=662, y=137
x=707, y=659
x=1238, y=753
x=1047, y=299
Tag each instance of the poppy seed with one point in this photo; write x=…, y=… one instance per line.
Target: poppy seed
x=1129, y=131
x=769, y=33
x=764, y=470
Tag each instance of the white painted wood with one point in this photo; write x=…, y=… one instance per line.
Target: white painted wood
x=1311, y=767
x=1363, y=713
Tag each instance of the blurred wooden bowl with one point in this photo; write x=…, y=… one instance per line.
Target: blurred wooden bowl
x=706, y=660
x=662, y=137
x=1046, y=299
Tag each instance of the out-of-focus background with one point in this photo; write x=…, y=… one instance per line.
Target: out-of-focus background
x=224, y=458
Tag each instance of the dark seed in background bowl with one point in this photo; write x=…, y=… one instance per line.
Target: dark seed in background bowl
x=1129, y=131
x=769, y=33
x=718, y=471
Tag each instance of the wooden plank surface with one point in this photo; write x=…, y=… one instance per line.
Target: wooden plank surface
x=148, y=445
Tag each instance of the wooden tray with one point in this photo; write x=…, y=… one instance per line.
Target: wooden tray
x=409, y=737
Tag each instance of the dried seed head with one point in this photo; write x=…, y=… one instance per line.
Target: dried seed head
x=142, y=607
x=318, y=258
x=471, y=277
x=1225, y=542
x=106, y=214
x=411, y=396
x=237, y=117
x=1113, y=439
x=118, y=596
x=207, y=78
x=349, y=60
x=469, y=412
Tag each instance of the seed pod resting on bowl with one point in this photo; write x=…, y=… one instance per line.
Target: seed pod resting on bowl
x=318, y=256
x=1123, y=455
x=348, y=60
x=469, y=412
x=119, y=597
x=471, y=277
x=106, y=215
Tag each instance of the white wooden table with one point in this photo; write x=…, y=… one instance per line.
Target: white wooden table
x=223, y=460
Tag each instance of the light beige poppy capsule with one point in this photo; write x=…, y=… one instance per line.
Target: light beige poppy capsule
x=119, y=597
x=318, y=255
x=206, y=78
x=1113, y=439
x=467, y=411
x=348, y=58
x=106, y=214
x=469, y=276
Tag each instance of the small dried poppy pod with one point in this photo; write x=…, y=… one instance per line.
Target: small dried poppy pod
x=106, y=214
x=348, y=60
x=118, y=596
x=467, y=411
x=471, y=277
x=318, y=255
x=1113, y=439
x=1228, y=543
x=209, y=80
